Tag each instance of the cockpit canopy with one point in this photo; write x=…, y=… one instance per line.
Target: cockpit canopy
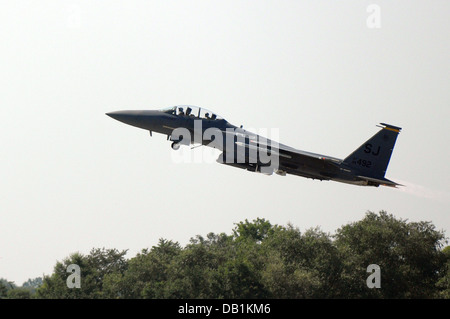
x=192, y=111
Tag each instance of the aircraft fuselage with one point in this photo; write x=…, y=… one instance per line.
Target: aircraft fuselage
x=365, y=166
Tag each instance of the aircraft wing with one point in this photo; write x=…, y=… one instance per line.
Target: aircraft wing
x=290, y=160
x=290, y=157
x=303, y=155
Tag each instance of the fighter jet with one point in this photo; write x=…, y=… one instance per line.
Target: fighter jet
x=187, y=125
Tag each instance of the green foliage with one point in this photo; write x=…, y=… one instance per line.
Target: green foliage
x=148, y=273
x=19, y=293
x=308, y=265
x=261, y=260
x=444, y=281
x=409, y=255
x=94, y=267
x=257, y=231
x=32, y=283
x=3, y=290
x=5, y=287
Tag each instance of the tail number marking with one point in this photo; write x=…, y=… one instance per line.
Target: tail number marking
x=361, y=162
x=368, y=149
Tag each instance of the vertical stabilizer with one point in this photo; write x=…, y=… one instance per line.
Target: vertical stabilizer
x=372, y=158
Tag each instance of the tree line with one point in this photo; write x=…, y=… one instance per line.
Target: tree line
x=261, y=260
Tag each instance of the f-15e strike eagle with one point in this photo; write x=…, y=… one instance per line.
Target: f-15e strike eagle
x=186, y=124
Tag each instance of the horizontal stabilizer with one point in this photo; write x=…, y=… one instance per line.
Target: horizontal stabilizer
x=384, y=181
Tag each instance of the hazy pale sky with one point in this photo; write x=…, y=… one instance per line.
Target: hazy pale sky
x=323, y=73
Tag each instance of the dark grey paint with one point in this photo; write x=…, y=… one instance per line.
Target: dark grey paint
x=366, y=166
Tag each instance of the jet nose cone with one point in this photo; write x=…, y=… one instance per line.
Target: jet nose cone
x=127, y=117
x=112, y=114
x=121, y=115
x=142, y=119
